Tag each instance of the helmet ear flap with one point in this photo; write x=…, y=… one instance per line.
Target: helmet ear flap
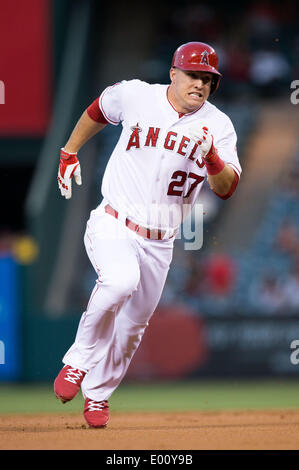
x=214, y=84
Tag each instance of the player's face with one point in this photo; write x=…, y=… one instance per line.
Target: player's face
x=189, y=89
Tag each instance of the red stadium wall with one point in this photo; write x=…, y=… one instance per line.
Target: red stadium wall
x=25, y=67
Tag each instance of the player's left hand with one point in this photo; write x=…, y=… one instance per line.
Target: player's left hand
x=202, y=137
x=69, y=167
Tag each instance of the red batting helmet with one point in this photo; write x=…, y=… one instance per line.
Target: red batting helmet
x=198, y=56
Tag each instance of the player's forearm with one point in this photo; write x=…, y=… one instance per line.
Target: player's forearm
x=83, y=131
x=222, y=182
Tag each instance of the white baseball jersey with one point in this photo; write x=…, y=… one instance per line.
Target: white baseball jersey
x=155, y=165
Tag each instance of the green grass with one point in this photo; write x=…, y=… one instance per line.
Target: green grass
x=205, y=396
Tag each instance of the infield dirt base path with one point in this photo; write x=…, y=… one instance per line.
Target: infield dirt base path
x=235, y=430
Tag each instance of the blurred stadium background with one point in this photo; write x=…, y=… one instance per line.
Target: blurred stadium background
x=230, y=310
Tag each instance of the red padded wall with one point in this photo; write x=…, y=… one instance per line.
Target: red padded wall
x=25, y=67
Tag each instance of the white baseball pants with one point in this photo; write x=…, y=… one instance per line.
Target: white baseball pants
x=131, y=271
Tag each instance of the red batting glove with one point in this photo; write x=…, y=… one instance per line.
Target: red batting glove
x=204, y=140
x=69, y=166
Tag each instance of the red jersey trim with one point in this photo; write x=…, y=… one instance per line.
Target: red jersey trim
x=236, y=169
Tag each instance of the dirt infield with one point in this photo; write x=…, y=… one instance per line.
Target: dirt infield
x=262, y=430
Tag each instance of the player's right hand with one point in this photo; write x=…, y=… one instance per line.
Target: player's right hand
x=69, y=167
x=202, y=137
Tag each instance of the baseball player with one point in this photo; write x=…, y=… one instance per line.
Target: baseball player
x=172, y=139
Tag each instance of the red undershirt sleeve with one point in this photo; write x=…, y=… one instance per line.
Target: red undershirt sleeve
x=232, y=188
x=95, y=113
